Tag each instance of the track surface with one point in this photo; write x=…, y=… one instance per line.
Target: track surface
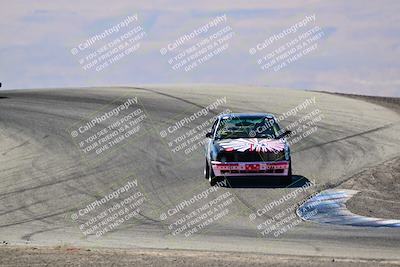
x=43, y=177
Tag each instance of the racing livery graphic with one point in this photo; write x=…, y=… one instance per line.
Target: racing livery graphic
x=242, y=144
x=253, y=144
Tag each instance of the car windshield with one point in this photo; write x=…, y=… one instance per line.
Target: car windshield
x=247, y=127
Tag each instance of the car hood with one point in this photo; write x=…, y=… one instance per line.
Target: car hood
x=251, y=144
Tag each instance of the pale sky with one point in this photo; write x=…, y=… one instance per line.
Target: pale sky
x=358, y=53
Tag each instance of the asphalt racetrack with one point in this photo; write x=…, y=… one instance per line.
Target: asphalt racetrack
x=47, y=181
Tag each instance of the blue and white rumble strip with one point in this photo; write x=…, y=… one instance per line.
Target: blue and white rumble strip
x=329, y=207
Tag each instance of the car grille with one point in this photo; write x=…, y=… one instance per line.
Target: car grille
x=250, y=156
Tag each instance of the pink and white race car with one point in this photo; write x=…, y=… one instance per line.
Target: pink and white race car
x=247, y=145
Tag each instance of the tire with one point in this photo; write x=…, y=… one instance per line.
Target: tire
x=206, y=171
x=209, y=174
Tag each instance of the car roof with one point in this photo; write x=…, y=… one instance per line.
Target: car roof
x=247, y=115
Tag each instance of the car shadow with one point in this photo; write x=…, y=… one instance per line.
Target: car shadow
x=2, y=97
x=266, y=182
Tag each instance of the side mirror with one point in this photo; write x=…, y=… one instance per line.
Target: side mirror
x=209, y=134
x=286, y=133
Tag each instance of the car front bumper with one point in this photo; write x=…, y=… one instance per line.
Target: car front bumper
x=273, y=168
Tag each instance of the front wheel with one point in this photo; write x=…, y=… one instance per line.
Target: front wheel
x=206, y=171
x=209, y=174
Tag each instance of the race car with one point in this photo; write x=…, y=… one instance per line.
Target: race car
x=241, y=144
